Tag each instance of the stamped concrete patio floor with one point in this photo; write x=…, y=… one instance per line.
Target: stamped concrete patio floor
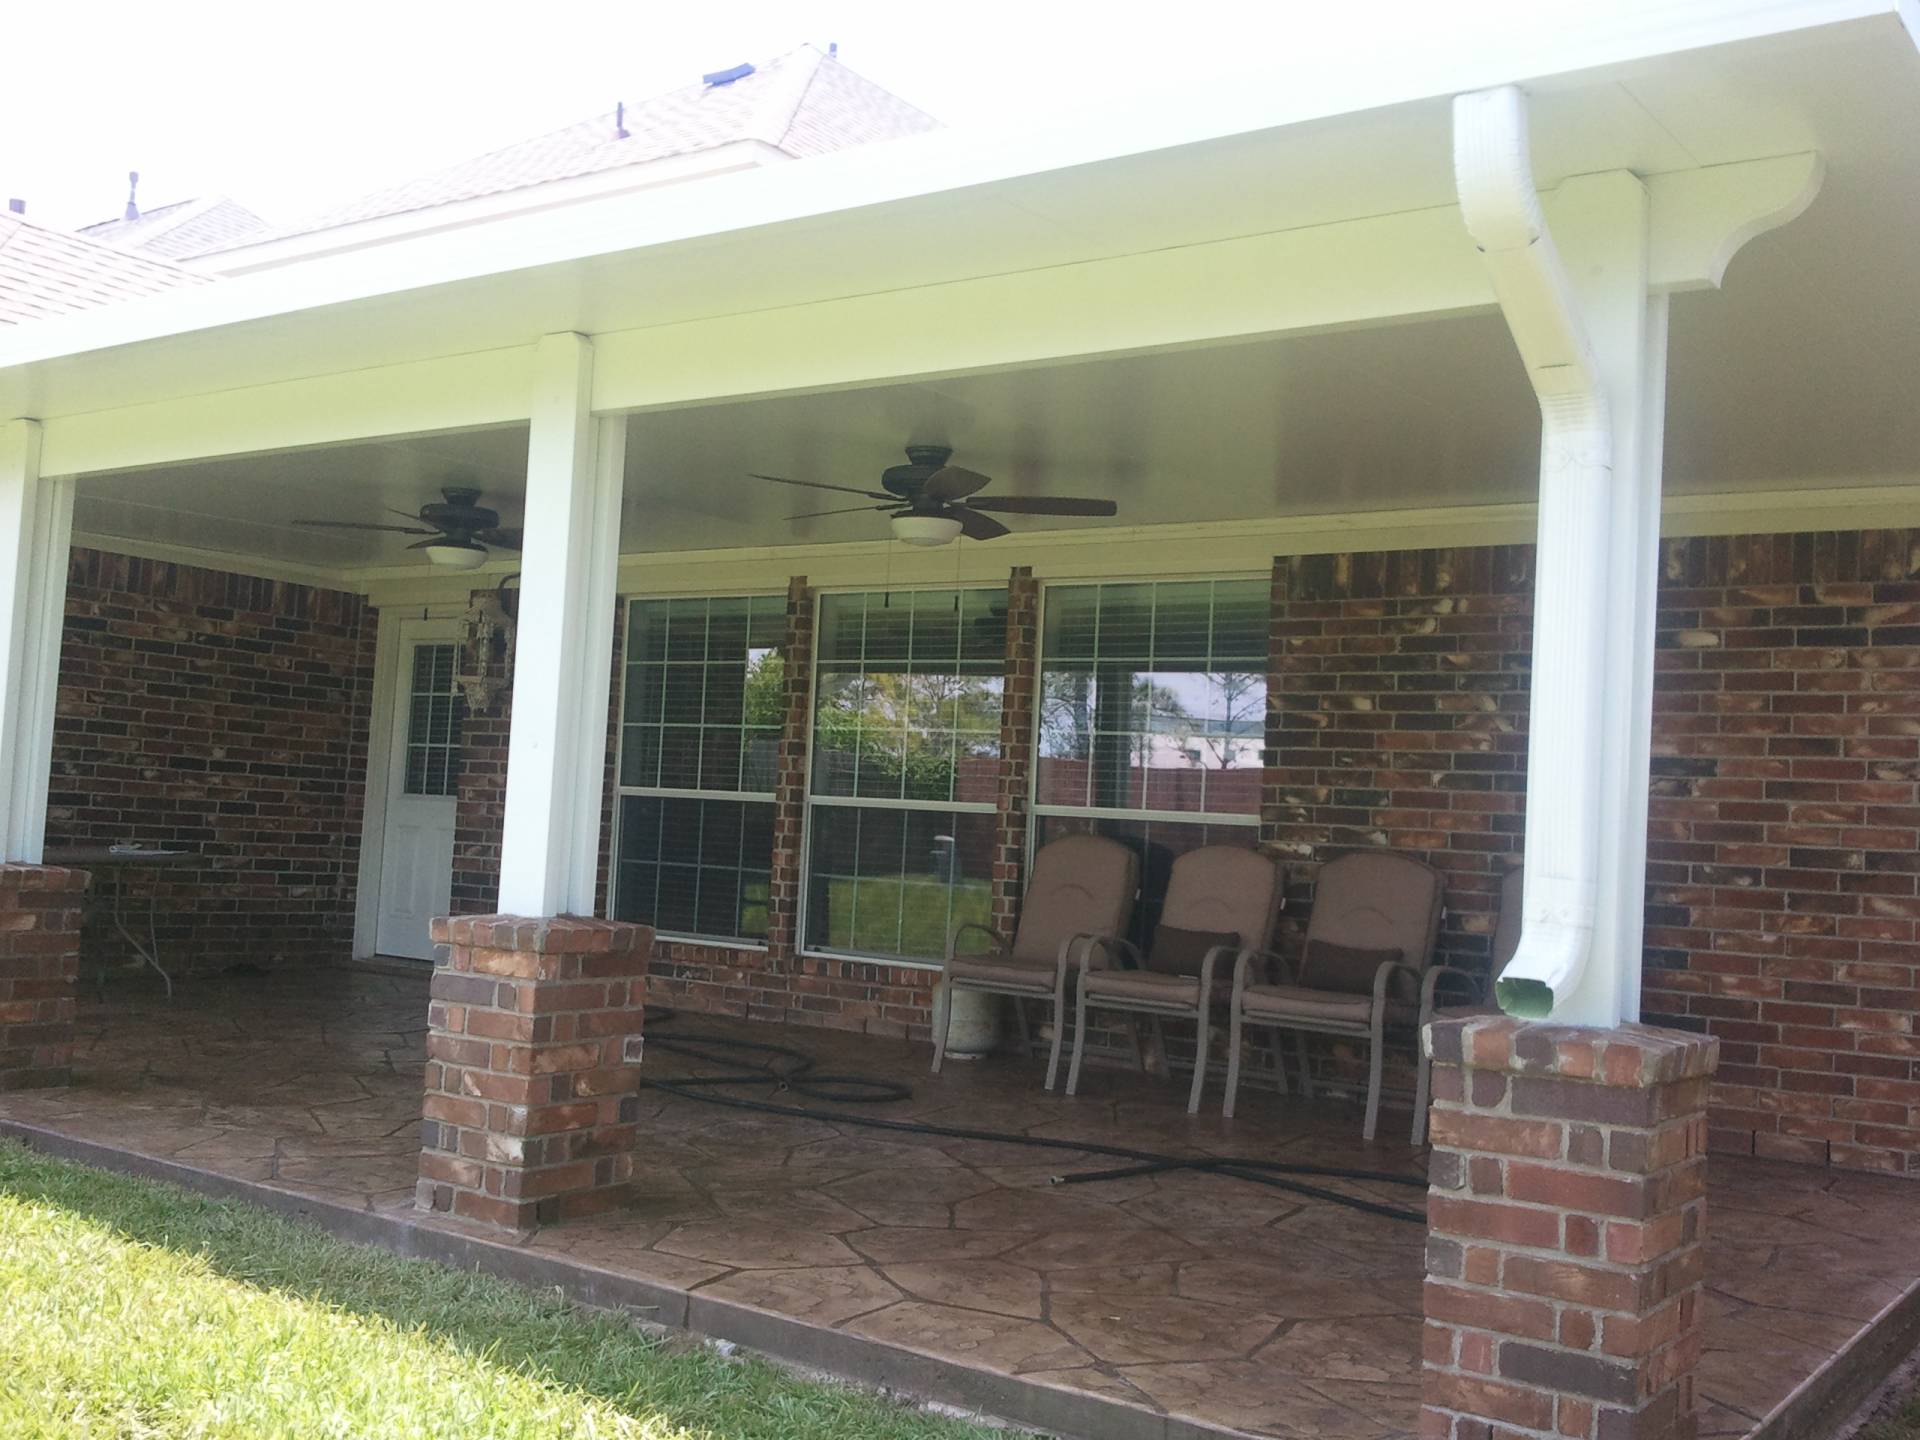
x=1196, y=1302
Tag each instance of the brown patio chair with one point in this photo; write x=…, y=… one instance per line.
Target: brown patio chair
x=1474, y=992
x=1222, y=901
x=1079, y=898
x=1369, y=942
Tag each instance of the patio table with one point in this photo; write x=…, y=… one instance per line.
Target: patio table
x=110, y=865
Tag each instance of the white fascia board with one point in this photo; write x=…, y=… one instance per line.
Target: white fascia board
x=456, y=392
x=271, y=252
x=932, y=163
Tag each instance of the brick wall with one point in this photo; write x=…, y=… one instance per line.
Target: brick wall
x=1782, y=885
x=40, y=909
x=1785, y=837
x=224, y=714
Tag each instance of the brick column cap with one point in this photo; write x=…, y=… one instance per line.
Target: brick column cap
x=537, y=935
x=17, y=876
x=1626, y=1057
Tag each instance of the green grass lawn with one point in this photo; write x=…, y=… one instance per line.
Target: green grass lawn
x=131, y=1310
x=909, y=918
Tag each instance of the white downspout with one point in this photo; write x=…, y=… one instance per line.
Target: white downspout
x=1494, y=180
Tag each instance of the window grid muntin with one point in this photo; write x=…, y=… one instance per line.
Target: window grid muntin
x=1106, y=819
x=820, y=804
x=436, y=710
x=1255, y=663
x=764, y=619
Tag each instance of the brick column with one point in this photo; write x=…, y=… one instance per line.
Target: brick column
x=1018, y=696
x=1566, y=1215
x=532, y=1067
x=790, y=785
x=39, y=965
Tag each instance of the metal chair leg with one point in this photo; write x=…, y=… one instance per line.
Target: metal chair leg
x=1020, y=1025
x=1233, y=1065
x=1059, y=1028
x=1376, y=1055
x=1079, y=1039
x=1422, y=1094
x=1199, y=1063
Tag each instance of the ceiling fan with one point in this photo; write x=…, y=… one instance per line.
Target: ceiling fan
x=460, y=529
x=929, y=501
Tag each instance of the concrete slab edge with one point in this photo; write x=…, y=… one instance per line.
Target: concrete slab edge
x=1069, y=1414
x=1825, y=1398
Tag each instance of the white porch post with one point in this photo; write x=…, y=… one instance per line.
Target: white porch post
x=1593, y=339
x=563, y=651
x=36, y=527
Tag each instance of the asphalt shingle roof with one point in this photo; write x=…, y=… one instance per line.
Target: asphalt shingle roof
x=51, y=272
x=803, y=103
x=183, y=229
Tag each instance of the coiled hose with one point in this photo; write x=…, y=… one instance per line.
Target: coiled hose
x=791, y=1071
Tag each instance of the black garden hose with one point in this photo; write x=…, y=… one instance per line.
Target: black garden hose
x=791, y=1070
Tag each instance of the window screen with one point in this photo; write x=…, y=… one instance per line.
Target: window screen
x=704, y=701
x=905, y=767
x=1152, y=719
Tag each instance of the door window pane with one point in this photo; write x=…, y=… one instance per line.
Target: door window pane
x=435, y=712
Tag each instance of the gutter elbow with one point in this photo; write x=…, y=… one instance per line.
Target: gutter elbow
x=1545, y=969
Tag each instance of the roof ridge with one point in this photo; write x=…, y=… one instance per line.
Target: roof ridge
x=575, y=123
x=820, y=59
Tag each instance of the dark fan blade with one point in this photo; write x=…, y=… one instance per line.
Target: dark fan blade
x=403, y=514
x=976, y=526
x=355, y=525
x=953, y=483
x=818, y=485
x=850, y=510
x=506, y=537
x=1045, y=505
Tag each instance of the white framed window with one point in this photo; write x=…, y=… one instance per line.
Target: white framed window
x=1151, y=719
x=703, y=702
x=904, y=770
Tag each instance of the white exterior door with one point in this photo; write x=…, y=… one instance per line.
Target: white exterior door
x=416, y=856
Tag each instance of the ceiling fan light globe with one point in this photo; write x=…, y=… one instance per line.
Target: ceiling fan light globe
x=456, y=557
x=926, y=529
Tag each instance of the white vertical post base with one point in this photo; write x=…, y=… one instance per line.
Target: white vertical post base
x=549, y=854
x=36, y=529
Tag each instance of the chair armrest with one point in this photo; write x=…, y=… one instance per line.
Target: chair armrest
x=1089, y=945
x=1383, y=976
x=999, y=942
x=1431, y=981
x=1269, y=961
x=1121, y=954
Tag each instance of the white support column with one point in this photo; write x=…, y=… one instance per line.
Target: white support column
x=1602, y=225
x=563, y=651
x=36, y=527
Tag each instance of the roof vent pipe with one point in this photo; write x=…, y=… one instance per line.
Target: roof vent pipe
x=1494, y=179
